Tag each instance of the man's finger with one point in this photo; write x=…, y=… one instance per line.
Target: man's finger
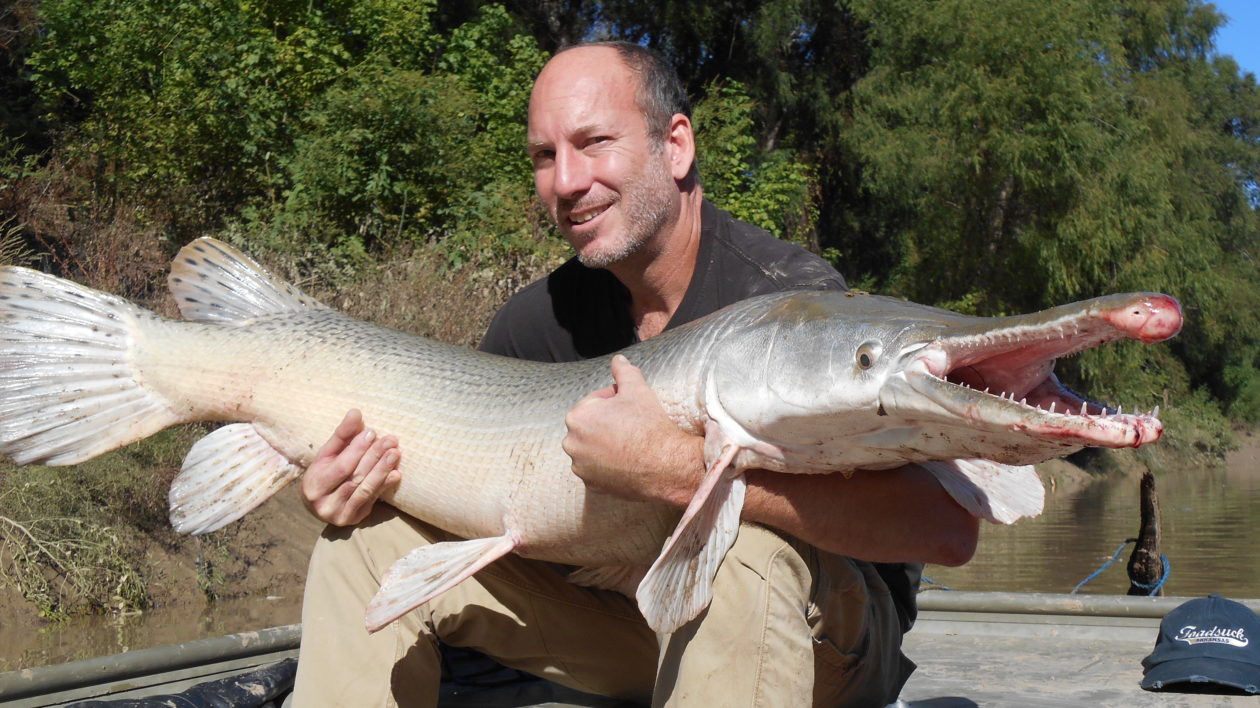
x=370, y=460
x=626, y=374
x=605, y=392
x=368, y=490
x=350, y=426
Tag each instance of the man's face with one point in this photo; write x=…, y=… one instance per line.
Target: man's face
x=607, y=187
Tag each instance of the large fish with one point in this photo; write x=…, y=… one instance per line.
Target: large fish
x=803, y=382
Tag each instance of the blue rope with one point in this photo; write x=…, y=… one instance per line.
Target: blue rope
x=933, y=583
x=1151, y=589
x=1114, y=557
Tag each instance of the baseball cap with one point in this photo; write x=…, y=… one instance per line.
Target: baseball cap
x=1207, y=640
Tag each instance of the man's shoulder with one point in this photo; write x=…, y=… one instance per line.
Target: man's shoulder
x=750, y=254
x=526, y=322
x=563, y=316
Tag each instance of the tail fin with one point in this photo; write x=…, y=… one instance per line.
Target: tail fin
x=67, y=389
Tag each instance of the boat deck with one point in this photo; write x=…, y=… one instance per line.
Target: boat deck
x=1027, y=650
x=972, y=648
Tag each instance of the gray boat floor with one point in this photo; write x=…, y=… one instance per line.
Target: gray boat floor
x=972, y=649
x=1049, y=651
x=1030, y=661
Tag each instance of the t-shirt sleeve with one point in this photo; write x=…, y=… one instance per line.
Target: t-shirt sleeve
x=498, y=339
x=524, y=328
x=806, y=271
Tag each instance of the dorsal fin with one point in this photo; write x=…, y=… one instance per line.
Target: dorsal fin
x=213, y=282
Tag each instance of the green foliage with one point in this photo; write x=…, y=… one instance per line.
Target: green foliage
x=351, y=121
x=773, y=190
x=418, y=140
x=192, y=95
x=13, y=248
x=369, y=161
x=390, y=156
x=1244, y=403
x=1026, y=154
x=1195, y=427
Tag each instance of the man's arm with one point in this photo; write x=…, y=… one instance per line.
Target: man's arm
x=622, y=443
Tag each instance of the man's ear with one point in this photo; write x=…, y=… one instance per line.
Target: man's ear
x=680, y=146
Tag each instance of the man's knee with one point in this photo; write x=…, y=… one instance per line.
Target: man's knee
x=779, y=560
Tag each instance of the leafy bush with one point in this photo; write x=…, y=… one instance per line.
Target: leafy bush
x=772, y=189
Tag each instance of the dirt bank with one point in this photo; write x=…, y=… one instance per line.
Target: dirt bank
x=260, y=587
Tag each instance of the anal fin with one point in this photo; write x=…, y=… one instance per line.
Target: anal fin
x=226, y=475
x=429, y=571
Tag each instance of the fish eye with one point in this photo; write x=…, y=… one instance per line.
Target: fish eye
x=867, y=355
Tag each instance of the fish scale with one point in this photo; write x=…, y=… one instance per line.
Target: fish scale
x=466, y=448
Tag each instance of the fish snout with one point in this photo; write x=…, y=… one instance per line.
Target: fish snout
x=1151, y=318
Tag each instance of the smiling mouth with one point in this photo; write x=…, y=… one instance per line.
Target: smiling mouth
x=586, y=215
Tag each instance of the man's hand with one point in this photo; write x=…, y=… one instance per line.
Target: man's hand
x=622, y=443
x=350, y=472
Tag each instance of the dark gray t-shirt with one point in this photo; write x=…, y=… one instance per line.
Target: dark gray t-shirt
x=578, y=313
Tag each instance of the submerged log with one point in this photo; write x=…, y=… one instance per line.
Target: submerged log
x=1145, y=564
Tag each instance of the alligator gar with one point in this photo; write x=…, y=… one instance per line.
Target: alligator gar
x=802, y=382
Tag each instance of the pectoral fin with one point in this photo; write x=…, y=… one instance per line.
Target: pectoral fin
x=999, y=493
x=430, y=571
x=226, y=475
x=679, y=585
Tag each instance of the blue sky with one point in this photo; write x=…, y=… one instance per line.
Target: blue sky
x=1240, y=37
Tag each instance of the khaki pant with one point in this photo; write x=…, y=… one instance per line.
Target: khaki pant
x=788, y=626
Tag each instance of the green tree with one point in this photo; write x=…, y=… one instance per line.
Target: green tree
x=191, y=96
x=1024, y=154
x=325, y=127
x=771, y=189
x=396, y=155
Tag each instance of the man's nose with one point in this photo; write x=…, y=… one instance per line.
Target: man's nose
x=572, y=173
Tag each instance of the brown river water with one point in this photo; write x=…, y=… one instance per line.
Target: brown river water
x=1211, y=533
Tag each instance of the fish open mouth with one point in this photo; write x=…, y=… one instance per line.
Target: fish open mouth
x=1002, y=376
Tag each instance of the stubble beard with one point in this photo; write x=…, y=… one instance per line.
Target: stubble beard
x=646, y=201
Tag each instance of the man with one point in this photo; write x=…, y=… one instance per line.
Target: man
x=795, y=619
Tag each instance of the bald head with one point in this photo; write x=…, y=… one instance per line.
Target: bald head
x=658, y=93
